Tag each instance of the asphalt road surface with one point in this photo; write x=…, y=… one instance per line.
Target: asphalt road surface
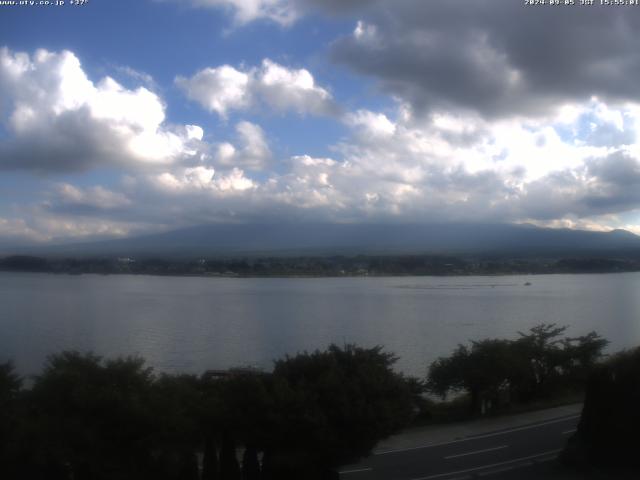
x=472, y=457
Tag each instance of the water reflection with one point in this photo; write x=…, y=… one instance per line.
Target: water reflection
x=190, y=324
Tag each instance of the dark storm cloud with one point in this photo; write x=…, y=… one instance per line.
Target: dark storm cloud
x=554, y=196
x=618, y=170
x=64, y=144
x=607, y=185
x=617, y=183
x=496, y=57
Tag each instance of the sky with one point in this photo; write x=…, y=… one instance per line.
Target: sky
x=122, y=117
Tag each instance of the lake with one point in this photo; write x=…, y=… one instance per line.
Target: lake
x=190, y=324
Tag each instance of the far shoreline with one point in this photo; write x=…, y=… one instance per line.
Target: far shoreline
x=311, y=277
x=327, y=266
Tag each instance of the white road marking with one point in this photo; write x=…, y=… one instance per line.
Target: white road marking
x=476, y=437
x=476, y=452
x=360, y=470
x=567, y=432
x=484, y=467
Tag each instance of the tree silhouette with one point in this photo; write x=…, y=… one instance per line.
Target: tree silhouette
x=210, y=470
x=10, y=389
x=607, y=434
x=333, y=407
x=229, y=466
x=486, y=371
x=250, y=464
x=93, y=418
x=497, y=371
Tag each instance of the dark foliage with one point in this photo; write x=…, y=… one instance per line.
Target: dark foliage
x=10, y=385
x=210, y=467
x=497, y=372
x=86, y=418
x=607, y=434
x=92, y=417
x=334, y=406
x=229, y=466
x=250, y=464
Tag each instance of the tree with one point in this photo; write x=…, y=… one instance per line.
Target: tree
x=494, y=371
x=93, y=416
x=607, y=433
x=332, y=407
x=229, y=466
x=210, y=460
x=10, y=384
x=542, y=349
x=486, y=371
x=10, y=390
x=250, y=464
x=581, y=355
x=176, y=403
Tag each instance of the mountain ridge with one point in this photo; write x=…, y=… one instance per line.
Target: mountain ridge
x=373, y=238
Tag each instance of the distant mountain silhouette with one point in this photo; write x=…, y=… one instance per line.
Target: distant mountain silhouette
x=349, y=239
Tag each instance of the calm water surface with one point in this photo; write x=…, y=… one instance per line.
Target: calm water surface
x=191, y=324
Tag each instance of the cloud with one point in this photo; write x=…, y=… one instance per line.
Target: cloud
x=394, y=167
x=226, y=88
x=245, y=11
x=137, y=76
x=217, y=89
x=601, y=187
x=89, y=199
x=370, y=123
x=254, y=150
x=495, y=58
x=59, y=120
x=201, y=179
x=16, y=230
x=282, y=12
x=476, y=56
x=43, y=225
x=571, y=161
x=289, y=89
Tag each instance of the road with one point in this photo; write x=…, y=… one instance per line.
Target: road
x=471, y=457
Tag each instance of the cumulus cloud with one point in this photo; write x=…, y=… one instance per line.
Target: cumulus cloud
x=201, y=179
x=253, y=152
x=370, y=123
x=245, y=11
x=447, y=157
x=497, y=58
x=90, y=199
x=17, y=230
x=280, y=88
x=476, y=56
x=42, y=225
x=601, y=187
x=289, y=89
x=282, y=12
x=451, y=167
x=60, y=120
x=218, y=89
x=393, y=167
